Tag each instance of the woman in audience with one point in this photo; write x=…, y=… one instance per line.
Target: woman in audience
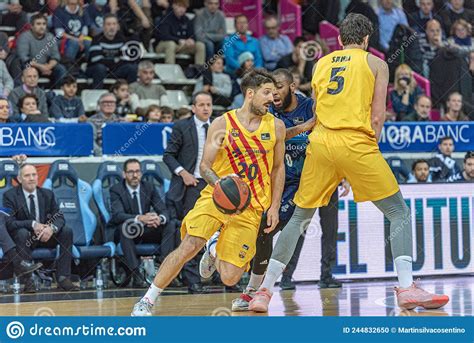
x=124, y=102
x=405, y=91
x=29, y=112
x=461, y=36
x=454, y=110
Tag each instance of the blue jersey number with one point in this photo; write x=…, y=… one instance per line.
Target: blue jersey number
x=336, y=78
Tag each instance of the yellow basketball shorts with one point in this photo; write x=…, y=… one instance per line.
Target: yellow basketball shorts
x=238, y=238
x=332, y=155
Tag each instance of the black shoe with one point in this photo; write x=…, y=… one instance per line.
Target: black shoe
x=286, y=284
x=25, y=267
x=330, y=283
x=197, y=288
x=139, y=281
x=29, y=286
x=68, y=286
x=233, y=289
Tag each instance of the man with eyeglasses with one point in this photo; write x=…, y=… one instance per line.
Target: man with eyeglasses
x=139, y=216
x=105, y=114
x=273, y=44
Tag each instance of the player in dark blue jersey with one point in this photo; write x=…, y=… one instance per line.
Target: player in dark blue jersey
x=296, y=111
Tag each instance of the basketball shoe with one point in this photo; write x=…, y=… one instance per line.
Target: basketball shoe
x=260, y=301
x=207, y=265
x=414, y=296
x=242, y=303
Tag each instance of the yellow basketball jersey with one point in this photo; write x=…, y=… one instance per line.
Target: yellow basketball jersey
x=344, y=87
x=249, y=155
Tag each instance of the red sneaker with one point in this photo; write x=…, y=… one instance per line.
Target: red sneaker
x=413, y=296
x=261, y=300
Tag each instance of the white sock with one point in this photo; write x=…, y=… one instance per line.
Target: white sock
x=274, y=270
x=403, y=267
x=212, y=250
x=152, y=293
x=255, y=281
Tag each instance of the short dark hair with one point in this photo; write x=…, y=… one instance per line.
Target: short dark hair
x=298, y=40
x=469, y=154
x=110, y=15
x=36, y=17
x=127, y=162
x=119, y=83
x=239, y=16
x=446, y=138
x=68, y=80
x=200, y=93
x=254, y=79
x=26, y=96
x=421, y=96
x=354, y=28
x=167, y=110
x=413, y=166
x=285, y=73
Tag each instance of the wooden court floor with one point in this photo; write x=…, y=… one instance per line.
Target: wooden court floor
x=353, y=299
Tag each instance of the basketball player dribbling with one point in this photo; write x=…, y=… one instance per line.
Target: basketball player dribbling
x=350, y=88
x=249, y=142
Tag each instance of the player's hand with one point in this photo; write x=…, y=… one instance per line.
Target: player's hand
x=272, y=219
x=188, y=178
x=309, y=124
x=345, y=188
x=230, y=175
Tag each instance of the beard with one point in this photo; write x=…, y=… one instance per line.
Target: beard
x=256, y=110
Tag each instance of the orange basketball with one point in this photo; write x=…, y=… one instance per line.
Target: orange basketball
x=231, y=194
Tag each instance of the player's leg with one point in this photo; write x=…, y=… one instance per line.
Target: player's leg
x=409, y=295
x=197, y=227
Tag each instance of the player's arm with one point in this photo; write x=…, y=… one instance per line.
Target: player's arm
x=278, y=176
x=296, y=130
x=214, y=141
x=380, y=70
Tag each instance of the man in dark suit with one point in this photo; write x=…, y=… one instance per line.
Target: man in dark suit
x=183, y=156
x=131, y=202
x=20, y=266
x=36, y=221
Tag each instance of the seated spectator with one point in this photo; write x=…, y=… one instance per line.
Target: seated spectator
x=37, y=222
x=167, y=115
x=431, y=44
x=209, y=27
x=273, y=44
x=175, y=35
x=246, y=61
x=4, y=110
x=183, y=113
x=420, y=172
x=11, y=59
x=422, y=109
x=122, y=93
x=216, y=82
x=107, y=55
x=68, y=106
x=454, y=110
x=95, y=12
x=29, y=85
x=12, y=14
x=405, y=91
x=137, y=202
x=442, y=166
x=467, y=175
x=454, y=11
x=389, y=17
x=425, y=13
x=461, y=39
x=38, y=48
x=135, y=18
x=6, y=81
x=144, y=88
x=29, y=112
x=70, y=23
x=303, y=65
x=153, y=114
x=106, y=114
x=238, y=43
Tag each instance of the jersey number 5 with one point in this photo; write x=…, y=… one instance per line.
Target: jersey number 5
x=336, y=78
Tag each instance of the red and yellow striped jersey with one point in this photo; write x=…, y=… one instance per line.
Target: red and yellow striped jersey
x=249, y=155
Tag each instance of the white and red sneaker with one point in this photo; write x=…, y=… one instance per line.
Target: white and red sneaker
x=260, y=301
x=242, y=303
x=414, y=296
